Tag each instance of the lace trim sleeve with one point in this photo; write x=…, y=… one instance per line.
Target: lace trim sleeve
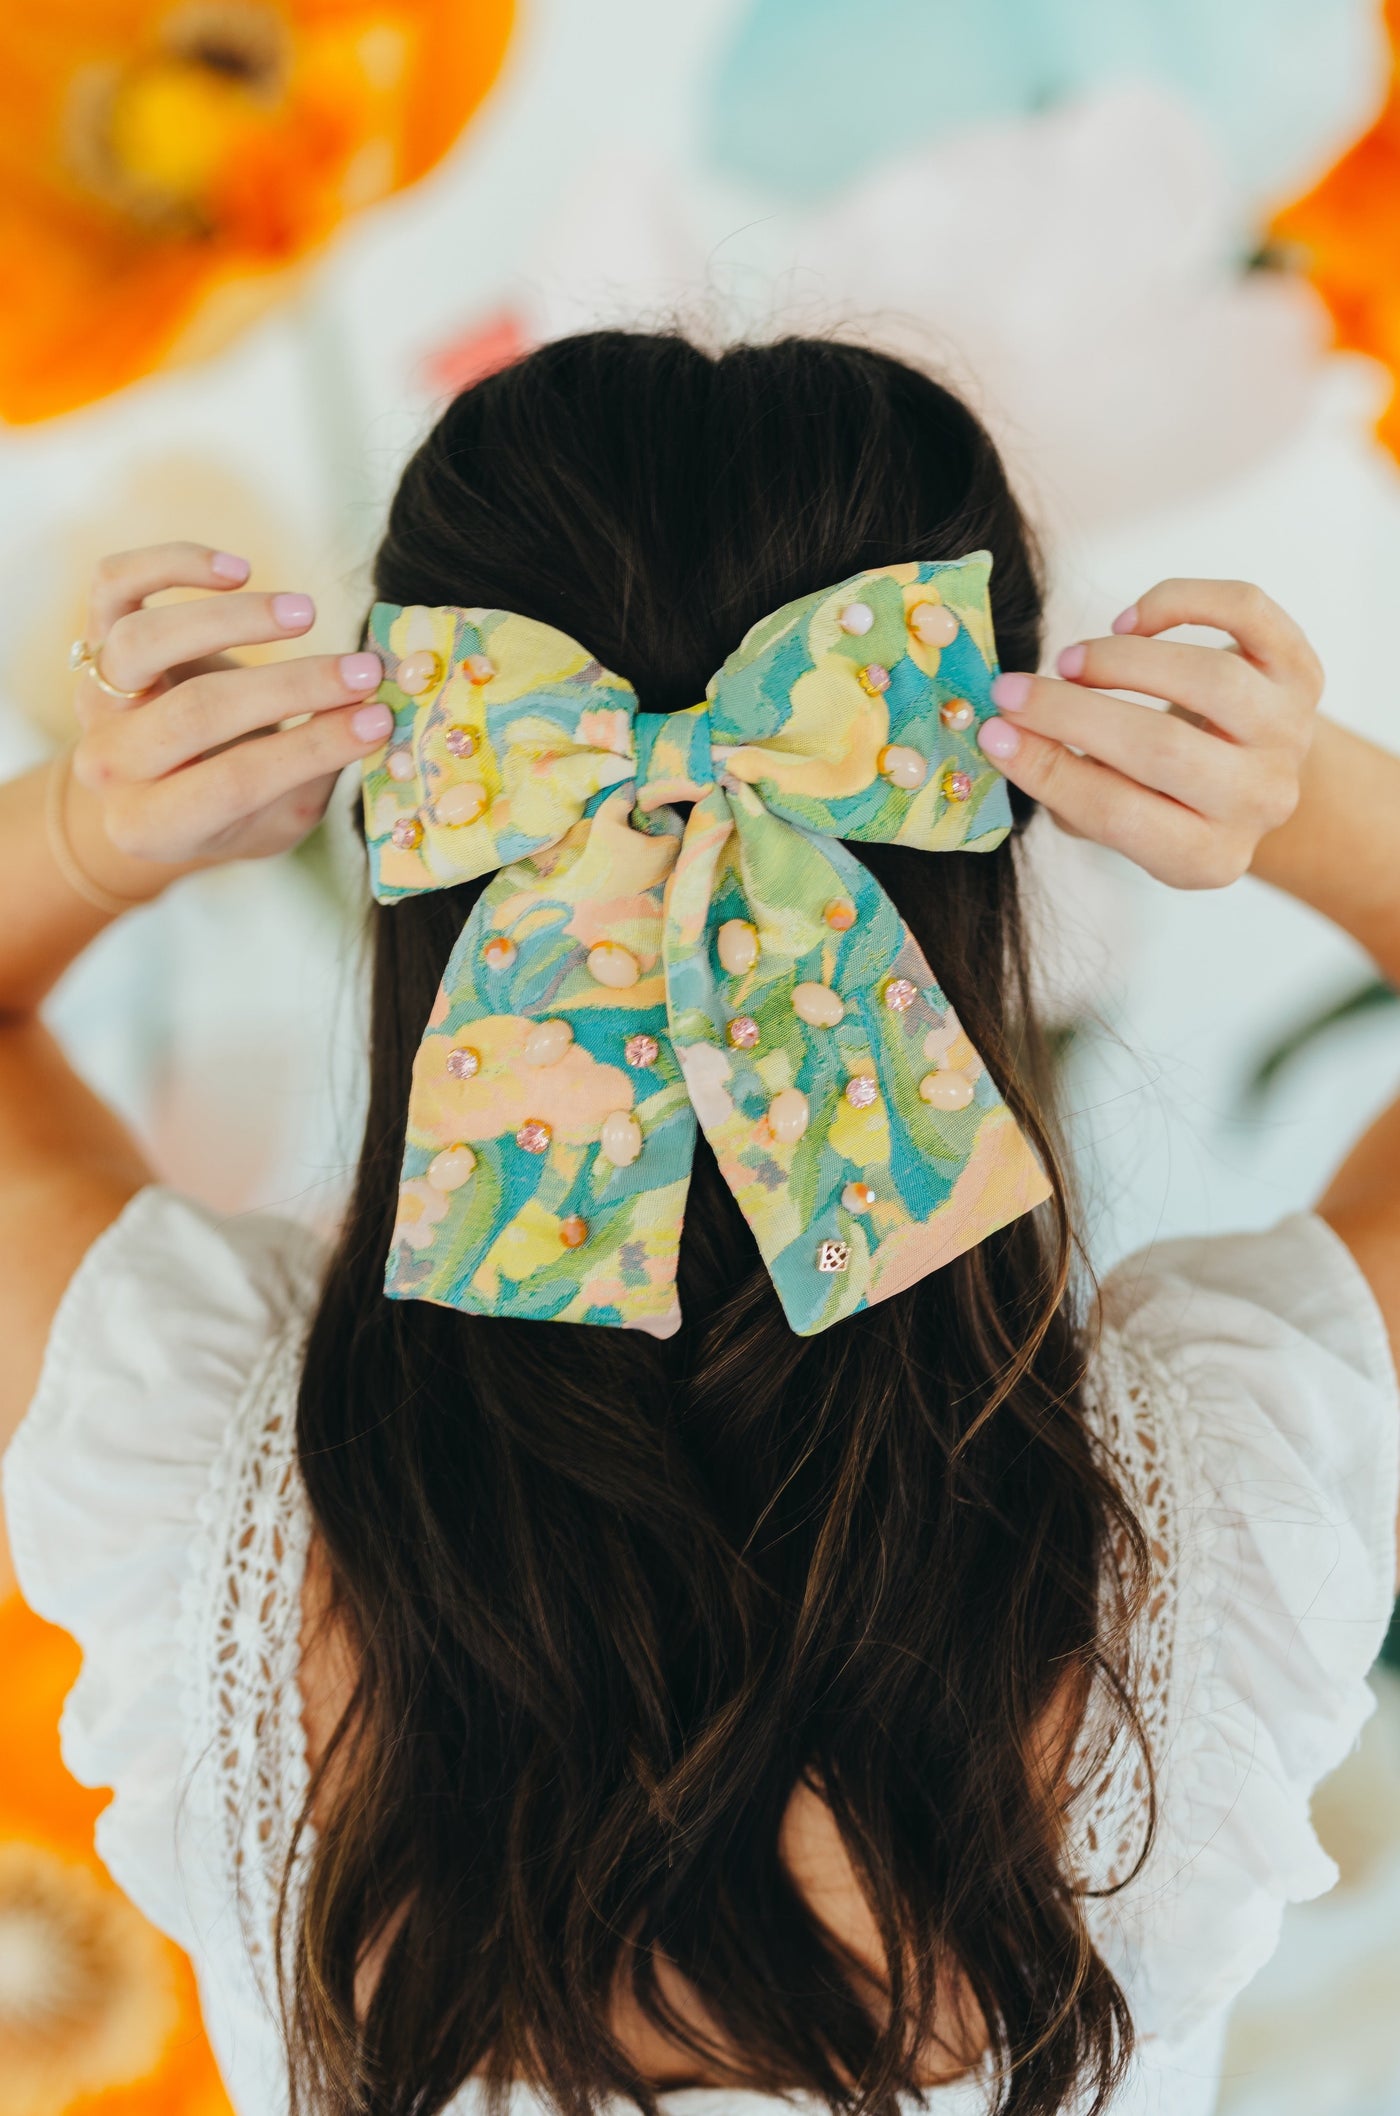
x=1133, y=1409
x=241, y=1631
x=159, y=1354
x=1244, y=1387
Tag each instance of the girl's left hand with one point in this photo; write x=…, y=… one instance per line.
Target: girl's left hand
x=1186, y=794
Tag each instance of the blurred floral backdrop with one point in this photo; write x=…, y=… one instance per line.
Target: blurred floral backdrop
x=250, y=245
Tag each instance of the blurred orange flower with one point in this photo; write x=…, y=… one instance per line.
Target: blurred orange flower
x=98, y=2013
x=163, y=162
x=1345, y=234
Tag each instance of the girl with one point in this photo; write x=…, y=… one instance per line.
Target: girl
x=507, y=1707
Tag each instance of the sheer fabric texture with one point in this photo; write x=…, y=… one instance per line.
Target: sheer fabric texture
x=1242, y=1383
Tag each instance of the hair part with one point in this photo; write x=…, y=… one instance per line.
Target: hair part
x=611, y=1600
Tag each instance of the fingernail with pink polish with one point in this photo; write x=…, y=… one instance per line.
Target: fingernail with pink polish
x=1071, y=662
x=293, y=612
x=372, y=723
x=227, y=565
x=360, y=672
x=1126, y=620
x=1010, y=692
x=999, y=739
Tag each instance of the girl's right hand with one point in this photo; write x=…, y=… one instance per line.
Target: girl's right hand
x=202, y=768
x=1188, y=793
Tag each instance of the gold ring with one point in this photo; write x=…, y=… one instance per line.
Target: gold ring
x=82, y=656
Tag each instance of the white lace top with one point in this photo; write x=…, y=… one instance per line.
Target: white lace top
x=1244, y=1384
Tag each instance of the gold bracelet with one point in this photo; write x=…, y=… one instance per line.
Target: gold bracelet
x=64, y=857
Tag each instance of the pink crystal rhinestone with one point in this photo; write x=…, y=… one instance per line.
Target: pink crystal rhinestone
x=861, y=1091
x=463, y=1063
x=957, y=785
x=874, y=678
x=641, y=1051
x=534, y=1136
x=900, y=994
x=743, y=1032
x=461, y=741
x=407, y=833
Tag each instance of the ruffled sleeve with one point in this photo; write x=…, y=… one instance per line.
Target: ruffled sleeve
x=1267, y=1358
x=159, y=1342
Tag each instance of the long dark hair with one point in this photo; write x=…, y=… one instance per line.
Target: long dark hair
x=610, y=1600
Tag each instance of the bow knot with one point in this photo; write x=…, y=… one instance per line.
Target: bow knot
x=625, y=975
x=674, y=756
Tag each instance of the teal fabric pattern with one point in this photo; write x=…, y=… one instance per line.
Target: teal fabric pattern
x=622, y=976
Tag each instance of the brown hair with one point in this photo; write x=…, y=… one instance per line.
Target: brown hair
x=612, y=1599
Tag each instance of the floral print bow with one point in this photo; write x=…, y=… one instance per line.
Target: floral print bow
x=624, y=975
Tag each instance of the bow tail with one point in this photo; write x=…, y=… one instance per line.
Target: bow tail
x=550, y=1136
x=855, y=1124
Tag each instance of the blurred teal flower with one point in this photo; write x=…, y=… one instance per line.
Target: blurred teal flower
x=811, y=93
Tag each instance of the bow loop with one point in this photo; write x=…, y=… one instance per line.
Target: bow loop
x=854, y=711
x=625, y=976
x=506, y=733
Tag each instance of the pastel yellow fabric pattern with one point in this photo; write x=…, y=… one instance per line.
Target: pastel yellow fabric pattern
x=623, y=975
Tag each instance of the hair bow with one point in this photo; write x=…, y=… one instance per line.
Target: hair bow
x=624, y=975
